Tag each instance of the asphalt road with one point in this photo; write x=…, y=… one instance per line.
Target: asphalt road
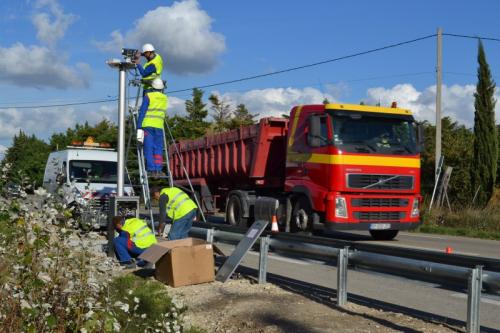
x=318, y=280
x=459, y=245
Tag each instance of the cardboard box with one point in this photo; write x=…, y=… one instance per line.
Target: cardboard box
x=182, y=262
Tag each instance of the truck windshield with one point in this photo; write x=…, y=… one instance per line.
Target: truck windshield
x=93, y=171
x=365, y=133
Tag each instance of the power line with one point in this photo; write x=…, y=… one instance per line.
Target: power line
x=473, y=37
x=290, y=69
x=309, y=65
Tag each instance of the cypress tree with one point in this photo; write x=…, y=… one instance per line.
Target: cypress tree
x=484, y=165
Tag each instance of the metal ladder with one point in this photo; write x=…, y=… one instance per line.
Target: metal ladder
x=143, y=174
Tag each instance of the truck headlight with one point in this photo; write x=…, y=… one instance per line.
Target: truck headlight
x=340, y=207
x=415, y=211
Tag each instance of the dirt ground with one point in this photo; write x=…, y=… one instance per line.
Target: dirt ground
x=242, y=305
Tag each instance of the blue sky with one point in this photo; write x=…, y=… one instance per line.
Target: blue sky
x=54, y=51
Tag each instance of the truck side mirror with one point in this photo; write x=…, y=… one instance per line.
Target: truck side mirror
x=314, y=135
x=420, y=137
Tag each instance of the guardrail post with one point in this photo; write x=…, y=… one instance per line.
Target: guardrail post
x=210, y=235
x=264, y=250
x=474, y=299
x=342, y=260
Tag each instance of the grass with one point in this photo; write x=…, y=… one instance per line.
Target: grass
x=468, y=222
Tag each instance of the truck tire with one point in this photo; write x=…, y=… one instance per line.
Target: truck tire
x=302, y=216
x=384, y=234
x=234, y=212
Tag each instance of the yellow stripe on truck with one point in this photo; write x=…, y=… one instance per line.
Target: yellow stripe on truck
x=294, y=125
x=410, y=162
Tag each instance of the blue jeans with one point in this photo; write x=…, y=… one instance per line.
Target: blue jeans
x=122, y=251
x=180, y=228
x=153, y=148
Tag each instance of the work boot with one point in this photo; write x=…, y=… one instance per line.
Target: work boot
x=129, y=264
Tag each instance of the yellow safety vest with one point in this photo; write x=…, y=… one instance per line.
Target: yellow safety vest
x=139, y=233
x=158, y=62
x=156, y=112
x=179, y=204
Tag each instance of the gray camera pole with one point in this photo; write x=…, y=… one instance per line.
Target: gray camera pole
x=122, y=98
x=122, y=66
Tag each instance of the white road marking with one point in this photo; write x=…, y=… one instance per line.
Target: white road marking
x=422, y=236
x=483, y=299
x=280, y=258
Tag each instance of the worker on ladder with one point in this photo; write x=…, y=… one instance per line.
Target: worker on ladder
x=152, y=69
x=178, y=207
x=150, y=126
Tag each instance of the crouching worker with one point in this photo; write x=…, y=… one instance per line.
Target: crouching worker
x=134, y=237
x=176, y=206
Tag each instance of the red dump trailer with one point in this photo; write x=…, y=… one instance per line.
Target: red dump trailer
x=245, y=162
x=337, y=165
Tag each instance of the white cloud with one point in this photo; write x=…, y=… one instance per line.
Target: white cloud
x=51, y=25
x=457, y=101
x=276, y=101
x=40, y=67
x=41, y=122
x=181, y=33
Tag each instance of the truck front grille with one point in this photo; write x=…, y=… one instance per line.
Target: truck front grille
x=379, y=202
x=380, y=182
x=379, y=216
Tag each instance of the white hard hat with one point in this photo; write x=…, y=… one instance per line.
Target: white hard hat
x=148, y=48
x=157, y=84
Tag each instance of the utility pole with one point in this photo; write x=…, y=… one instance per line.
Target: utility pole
x=439, y=69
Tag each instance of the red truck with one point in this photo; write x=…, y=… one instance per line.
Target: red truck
x=339, y=166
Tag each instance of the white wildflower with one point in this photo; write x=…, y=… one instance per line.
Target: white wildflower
x=25, y=304
x=136, y=300
x=116, y=326
x=89, y=314
x=143, y=316
x=83, y=330
x=44, y=277
x=123, y=306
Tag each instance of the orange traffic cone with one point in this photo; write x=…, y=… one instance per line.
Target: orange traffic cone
x=448, y=250
x=274, y=224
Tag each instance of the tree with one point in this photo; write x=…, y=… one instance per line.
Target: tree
x=484, y=169
x=104, y=131
x=326, y=101
x=27, y=157
x=221, y=113
x=194, y=125
x=241, y=117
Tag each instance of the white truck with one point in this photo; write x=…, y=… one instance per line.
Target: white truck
x=86, y=176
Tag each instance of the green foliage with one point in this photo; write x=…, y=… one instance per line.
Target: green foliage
x=194, y=125
x=457, y=152
x=241, y=117
x=27, y=157
x=326, y=101
x=484, y=170
x=104, y=131
x=221, y=113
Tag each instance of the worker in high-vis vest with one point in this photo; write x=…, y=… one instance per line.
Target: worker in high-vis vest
x=176, y=206
x=134, y=237
x=152, y=69
x=150, y=126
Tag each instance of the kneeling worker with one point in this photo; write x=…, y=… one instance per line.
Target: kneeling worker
x=177, y=207
x=134, y=238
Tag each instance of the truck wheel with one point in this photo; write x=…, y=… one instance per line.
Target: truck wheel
x=234, y=212
x=301, y=216
x=383, y=234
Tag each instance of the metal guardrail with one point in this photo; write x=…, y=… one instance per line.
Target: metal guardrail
x=474, y=278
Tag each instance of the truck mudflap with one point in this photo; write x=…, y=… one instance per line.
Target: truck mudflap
x=390, y=225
